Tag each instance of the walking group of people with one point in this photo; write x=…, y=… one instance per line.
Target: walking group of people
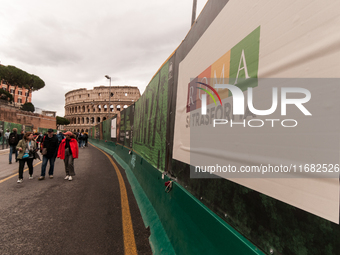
x=82, y=139
x=25, y=147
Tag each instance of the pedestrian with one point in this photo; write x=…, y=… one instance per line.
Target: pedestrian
x=68, y=151
x=7, y=136
x=86, y=138
x=26, y=148
x=21, y=135
x=13, y=141
x=39, y=139
x=81, y=140
x=49, y=148
x=60, y=137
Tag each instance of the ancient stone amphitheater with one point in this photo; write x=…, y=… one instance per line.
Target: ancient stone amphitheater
x=86, y=108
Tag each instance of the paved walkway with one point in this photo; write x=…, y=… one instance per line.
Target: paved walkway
x=96, y=213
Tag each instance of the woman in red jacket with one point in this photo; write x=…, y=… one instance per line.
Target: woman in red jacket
x=68, y=151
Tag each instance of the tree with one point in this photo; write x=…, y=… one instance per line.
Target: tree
x=14, y=76
x=28, y=107
x=33, y=83
x=62, y=121
x=5, y=95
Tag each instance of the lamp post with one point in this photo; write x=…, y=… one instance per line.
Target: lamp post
x=194, y=7
x=108, y=77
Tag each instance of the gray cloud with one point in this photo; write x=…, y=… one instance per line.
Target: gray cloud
x=72, y=45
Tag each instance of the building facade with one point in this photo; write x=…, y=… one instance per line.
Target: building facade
x=19, y=94
x=85, y=108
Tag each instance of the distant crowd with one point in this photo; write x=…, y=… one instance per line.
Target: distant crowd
x=26, y=146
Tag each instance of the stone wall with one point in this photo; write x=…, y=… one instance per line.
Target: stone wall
x=12, y=114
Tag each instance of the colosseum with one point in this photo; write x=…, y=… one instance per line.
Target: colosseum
x=86, y=108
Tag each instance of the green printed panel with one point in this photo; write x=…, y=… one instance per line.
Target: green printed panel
x=29, y=128
x=127, y=127
x=97, y=134
x=121, y=138
x=129, y=117
x=43, y=130
x=244, y=61
x=107, y=130
x=150, y=120
x=10, y=126
x=2, y=133
x=91, y=133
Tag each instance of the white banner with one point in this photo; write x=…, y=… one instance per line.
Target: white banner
x=266, y=39
x=114, y=128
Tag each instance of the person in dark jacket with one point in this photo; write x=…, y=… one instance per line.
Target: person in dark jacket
x=60, y=137
x=21, y=135
x=49, y=144
x=86, y=138
x=13, y=141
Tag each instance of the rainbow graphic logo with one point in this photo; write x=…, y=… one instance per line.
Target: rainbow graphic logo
x=204, y=97
x=234, y=67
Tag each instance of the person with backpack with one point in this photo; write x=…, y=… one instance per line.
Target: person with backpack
x=13, y=141
x=49, y=147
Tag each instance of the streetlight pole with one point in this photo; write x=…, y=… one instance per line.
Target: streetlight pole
x=108, y=77
x=194, y=7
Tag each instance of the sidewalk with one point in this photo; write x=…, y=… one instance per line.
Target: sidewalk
x=96, y=213
x=7, y=169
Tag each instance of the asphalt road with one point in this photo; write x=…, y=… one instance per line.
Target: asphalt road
x=57, y=216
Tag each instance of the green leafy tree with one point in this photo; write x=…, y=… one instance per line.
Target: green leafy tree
x=5, y=95
x=32, y=83
x=14, y=76
x=62, y=121
x=28, y=107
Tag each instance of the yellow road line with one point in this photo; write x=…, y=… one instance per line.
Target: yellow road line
x=9, y=177
x=128, y=235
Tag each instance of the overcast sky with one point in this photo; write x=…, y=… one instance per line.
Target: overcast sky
x=74, y=44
